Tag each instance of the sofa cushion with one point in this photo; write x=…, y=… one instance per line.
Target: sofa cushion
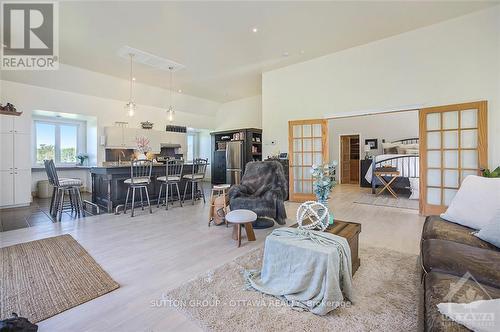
x=442, y=287
x=458, y=259
x=436, y=227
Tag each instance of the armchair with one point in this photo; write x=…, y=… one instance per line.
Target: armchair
x=262, y=190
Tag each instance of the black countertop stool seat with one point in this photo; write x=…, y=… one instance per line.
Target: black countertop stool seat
x=140, y=178
x=61, y=186
x=197, y=176
x=172, y=177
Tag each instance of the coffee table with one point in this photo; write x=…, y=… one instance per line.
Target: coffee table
x=350, y=231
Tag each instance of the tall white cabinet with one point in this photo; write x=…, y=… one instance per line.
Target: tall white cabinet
x=15, y=160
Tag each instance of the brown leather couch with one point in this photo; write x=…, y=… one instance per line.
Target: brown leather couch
x=457, y=267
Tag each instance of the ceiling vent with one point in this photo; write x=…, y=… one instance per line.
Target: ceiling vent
x=149, y=59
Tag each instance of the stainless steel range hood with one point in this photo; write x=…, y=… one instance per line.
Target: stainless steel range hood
x=171, y=146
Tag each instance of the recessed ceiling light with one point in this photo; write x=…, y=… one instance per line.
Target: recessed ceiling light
x=255, y=30
x=180, y=90
x=133, y=78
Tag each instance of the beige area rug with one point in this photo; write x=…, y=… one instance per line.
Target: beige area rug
x=387, y=200
x=386, y=287
x=42, y=278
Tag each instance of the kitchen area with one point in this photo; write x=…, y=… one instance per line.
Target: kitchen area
x=124, y=144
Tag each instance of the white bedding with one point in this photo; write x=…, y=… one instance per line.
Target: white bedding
x=403, y=165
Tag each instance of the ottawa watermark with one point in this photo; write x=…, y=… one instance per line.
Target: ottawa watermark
x=466, y=290
x=30, y=35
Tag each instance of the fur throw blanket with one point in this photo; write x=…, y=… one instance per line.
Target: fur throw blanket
x=262, y=189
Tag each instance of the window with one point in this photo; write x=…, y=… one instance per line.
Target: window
x=192, y=146
x=57, y=140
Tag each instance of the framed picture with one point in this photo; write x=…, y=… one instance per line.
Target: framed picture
x=372, y=142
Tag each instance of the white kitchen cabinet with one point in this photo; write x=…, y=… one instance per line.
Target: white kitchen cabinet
x=22, y=186
x=15, y=160
x=7, y=188
x=114, y=136
x=129, y=136
x=7, y=148
x=22, y=147
x=6, y=124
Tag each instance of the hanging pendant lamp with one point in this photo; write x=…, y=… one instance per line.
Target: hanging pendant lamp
x=170, y=109
x=130, y=107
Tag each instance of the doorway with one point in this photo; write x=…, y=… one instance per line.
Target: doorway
x=349, y=159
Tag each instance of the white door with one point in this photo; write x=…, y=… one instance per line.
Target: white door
x=22, y=186
x=22, y=148
x=6, y=188
x=6, y=123
x=7, y=151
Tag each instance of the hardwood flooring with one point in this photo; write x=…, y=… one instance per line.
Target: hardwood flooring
x=152, y=253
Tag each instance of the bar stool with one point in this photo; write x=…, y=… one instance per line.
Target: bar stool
x=197, y=176
x=172, y=177
x=140, y=178
x=61, y=186
x=218, y=191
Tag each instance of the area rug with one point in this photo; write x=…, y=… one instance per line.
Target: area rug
x=386, y=286
x=42, y=278
x=387, y=200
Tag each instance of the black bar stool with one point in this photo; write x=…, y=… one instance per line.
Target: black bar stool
x=61, y=186
x=140, y=178
x=197, y=176
x=172, y=177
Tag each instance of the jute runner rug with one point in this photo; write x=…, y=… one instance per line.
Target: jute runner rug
x=42, y=278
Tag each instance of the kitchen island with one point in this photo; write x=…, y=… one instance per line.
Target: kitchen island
x=109, y=190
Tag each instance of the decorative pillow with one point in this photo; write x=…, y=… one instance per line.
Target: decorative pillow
x=413, y=151
x=491, y=232
x=401, y=149
x=481, y=315
x=390, y=148
x=415, y=188
x=475, y=203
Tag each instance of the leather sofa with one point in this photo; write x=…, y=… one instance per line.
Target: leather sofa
x=457, y=267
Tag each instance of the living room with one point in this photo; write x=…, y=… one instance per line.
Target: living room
x=173, y=182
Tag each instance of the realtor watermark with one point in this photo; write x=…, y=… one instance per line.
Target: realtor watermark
x=30, y=35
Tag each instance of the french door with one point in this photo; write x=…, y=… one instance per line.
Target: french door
x=307, y=145
x=453, y=145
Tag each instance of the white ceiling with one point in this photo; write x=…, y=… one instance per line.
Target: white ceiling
x=224, y=59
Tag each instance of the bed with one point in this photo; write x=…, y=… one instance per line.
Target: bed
x=407, y=164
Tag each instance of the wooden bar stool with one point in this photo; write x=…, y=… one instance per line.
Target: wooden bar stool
x=218, y=191
x=239, y=218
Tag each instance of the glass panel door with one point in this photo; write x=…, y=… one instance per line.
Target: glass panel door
x=453, y=145
x=307, y=142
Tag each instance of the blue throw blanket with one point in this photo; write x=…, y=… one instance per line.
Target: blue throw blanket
x=311, y=270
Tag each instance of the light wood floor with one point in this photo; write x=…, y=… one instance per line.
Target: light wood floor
x=150, y=254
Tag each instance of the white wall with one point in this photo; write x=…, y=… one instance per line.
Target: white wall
x=451, y=62
x=241, y=113
x=391, y=127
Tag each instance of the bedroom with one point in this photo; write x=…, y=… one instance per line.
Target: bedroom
x=390, y=140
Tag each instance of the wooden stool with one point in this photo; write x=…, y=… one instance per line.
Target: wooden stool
x=242, y=217
x=217, y=191
x=387, y=185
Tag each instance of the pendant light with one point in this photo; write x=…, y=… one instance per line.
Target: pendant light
x=170, y=110
x=130, y=107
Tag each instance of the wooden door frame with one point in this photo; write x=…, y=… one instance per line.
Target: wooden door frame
x=340, y=157
x=301, y=197
x=482, y=146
